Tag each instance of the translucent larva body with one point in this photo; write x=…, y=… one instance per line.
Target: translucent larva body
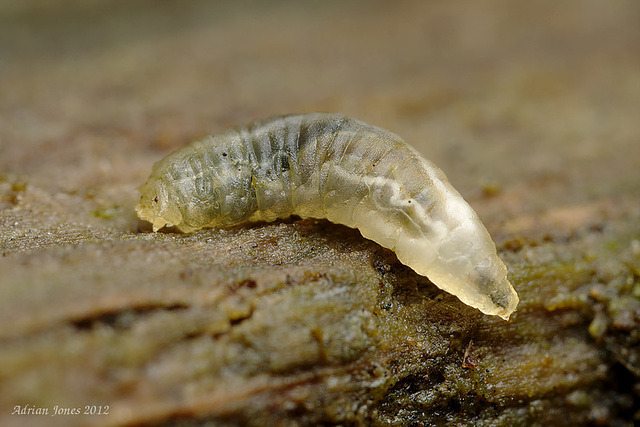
x=347, y=171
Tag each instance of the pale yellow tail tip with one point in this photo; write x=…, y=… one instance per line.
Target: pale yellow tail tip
x=513, y=303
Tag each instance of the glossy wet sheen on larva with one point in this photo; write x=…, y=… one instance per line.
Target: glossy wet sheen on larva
x=347, y=171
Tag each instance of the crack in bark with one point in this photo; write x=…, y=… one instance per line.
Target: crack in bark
x=121, y=319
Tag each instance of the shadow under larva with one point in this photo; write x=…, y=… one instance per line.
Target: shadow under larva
x=331, y=166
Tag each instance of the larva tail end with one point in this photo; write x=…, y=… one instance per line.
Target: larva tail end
x=505, y=301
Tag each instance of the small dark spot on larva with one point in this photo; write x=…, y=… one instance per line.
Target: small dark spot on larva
x=155, y=199
x=224, y=154
x=285, y=164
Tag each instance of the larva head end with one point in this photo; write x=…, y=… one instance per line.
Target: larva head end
x=158, y=223
x=155, y=207
x=147, y=213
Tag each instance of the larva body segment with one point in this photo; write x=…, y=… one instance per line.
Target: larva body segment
x=349, y=172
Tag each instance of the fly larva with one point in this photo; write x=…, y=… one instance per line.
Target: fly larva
x=347, y=171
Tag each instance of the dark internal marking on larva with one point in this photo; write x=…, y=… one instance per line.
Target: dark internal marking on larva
x=331, y=166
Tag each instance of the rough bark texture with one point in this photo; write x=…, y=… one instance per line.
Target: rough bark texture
x=531, y=110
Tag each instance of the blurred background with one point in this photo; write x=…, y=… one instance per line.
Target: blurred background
x=524, y=94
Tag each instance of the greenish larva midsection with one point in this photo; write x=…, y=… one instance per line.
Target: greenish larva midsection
x=347, y=171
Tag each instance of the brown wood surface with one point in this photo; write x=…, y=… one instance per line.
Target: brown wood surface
x=531, y=108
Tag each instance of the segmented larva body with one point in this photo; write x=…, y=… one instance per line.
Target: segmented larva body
x=347, y=171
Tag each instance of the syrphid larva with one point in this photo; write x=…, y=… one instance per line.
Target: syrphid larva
x=347, y=171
